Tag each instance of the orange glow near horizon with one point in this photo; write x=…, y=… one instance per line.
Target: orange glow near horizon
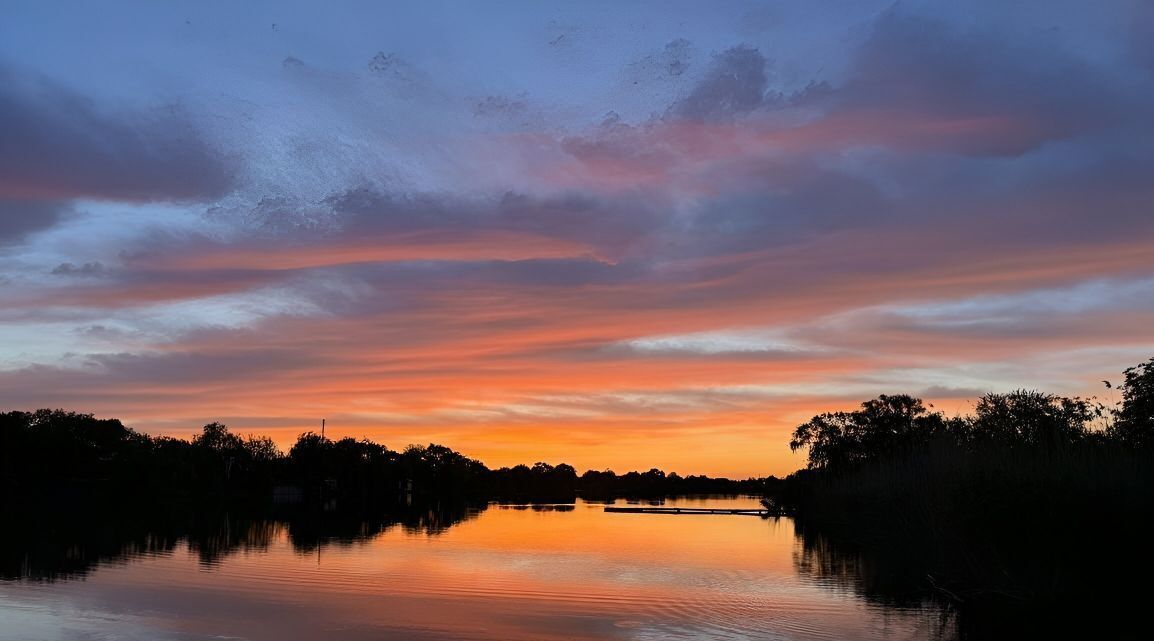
x=619, y=375
x=510, y=376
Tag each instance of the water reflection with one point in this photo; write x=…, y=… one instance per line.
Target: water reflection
x=838, y=563
x=450, y=571
x=50, y=546
x=890, y=582
x=69, y=544
x=538, y=507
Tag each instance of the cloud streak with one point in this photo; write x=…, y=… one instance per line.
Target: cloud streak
x=57, y=145
x=667, y=263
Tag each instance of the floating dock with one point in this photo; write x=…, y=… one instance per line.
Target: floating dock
x=692, y=510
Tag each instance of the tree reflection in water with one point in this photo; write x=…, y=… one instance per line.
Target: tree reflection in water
x=51, y=545
x=889, y=580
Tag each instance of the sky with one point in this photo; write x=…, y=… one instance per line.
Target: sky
x=615, y=234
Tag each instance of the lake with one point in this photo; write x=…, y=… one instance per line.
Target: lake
x=490, y=572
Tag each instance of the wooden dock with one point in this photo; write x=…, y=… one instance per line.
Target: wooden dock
x=692, y=510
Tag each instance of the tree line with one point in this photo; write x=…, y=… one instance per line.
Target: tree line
x=73, y=454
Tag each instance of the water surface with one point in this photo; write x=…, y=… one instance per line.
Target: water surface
x=500, y=572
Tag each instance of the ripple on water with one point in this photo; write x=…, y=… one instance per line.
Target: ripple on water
x=510, y=573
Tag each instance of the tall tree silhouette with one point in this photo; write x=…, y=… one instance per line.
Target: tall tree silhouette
x=882, y=426
x=1134, y=421
x=1030, y=417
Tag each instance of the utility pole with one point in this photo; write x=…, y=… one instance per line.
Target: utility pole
x=322, y=428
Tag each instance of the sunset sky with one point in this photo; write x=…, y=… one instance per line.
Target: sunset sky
x=614, y=234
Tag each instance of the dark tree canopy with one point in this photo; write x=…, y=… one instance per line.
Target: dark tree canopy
x=1134, y=421
x=999, y=510
x=1029, y=417
x=882, y=426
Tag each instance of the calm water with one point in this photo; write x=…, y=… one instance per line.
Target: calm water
x=498, y=573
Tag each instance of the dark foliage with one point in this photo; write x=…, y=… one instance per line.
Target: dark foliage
x=883, y=426
x=1023, y=517
x=1134, y=420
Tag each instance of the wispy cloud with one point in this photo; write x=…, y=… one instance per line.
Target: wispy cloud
x=624, y=240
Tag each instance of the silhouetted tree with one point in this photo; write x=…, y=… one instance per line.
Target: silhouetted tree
x=262, y=449
x=883, y=425
x=309, y=457
x=57, y=446
x=991, y=507
x=436, y=468
x=216, y=437
x=1031, y=418
x=595, y=483
x=1134, y=421
x=228, y=461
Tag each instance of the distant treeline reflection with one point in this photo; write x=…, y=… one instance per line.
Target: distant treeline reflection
x=1032, y=517
x=39, y=543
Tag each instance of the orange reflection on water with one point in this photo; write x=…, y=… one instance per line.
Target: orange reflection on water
x=573, y=572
